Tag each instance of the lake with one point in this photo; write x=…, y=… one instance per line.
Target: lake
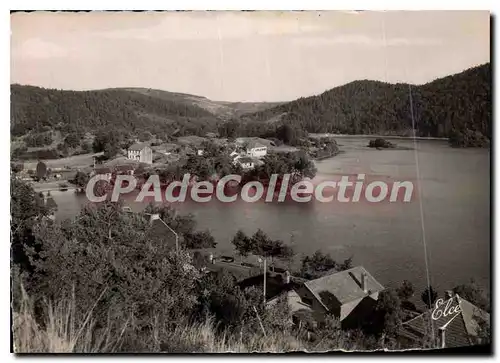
x=450, y=211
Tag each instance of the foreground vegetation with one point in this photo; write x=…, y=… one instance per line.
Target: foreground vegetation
x=105, y=282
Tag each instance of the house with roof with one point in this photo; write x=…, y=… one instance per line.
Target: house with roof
x=140, y=152
x=463, y=324
x=127, y=169
x=255, y=149
x=160, y=232
x=245, y=162
x=165, y=149
x=349, y=295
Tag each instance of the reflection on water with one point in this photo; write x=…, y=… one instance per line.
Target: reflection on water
x=385, y=238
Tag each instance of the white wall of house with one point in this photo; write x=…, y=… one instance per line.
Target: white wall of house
x=144, y=156
x=257, y=152
x=134, y=155
x=246, y=165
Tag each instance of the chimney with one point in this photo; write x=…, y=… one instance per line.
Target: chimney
x=442, y=337
x=363, y=282
x=287, y=277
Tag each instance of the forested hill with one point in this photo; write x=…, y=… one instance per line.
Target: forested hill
x=460, y=103
x=37, y=109
x=222, y=109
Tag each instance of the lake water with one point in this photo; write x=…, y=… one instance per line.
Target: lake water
x=386, y=238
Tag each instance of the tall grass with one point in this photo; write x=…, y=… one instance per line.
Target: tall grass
x=59, y=331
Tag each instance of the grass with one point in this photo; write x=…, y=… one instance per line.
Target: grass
x=75, y=161
x=59, y=331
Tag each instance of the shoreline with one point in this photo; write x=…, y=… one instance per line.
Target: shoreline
x=381, y=137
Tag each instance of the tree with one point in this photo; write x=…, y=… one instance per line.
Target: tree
x=16, y=167
x=26, y=207
x=41, y=170
x=81, y=179
x=429, y=296
x=388, y=313
x=406, y=290
x=107, y=142
x=182, y=224
x=473, y=293
x=317, y=265
x=276, y=249
x=223, y=299
x=103, y=260
x=72, y=140
x=346, y=265
x=242, y=243
x=195, y=240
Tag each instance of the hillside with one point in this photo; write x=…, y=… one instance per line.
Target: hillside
x=133, y=110
x=442, y=108
x=37, y=109
x=222, y=109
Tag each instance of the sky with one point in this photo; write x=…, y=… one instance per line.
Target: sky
x=243, y=56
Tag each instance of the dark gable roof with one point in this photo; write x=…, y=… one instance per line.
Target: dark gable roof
x=254, y=144
x=159, y=232
x=344, y=285
x=458, y=329
x=244, y=159
x=137, y=146
x=125, y=167
x=104, y=170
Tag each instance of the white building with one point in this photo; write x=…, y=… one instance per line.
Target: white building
x=141, y=153
x=255, y=149
x=245, y=162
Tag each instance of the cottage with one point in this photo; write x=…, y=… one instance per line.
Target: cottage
x=256, y=149
x=347, y=294
x=160, y=233
x=165, y=149
x=127, y=169
x=457, y=329
x=245, y=162
x=140, y=152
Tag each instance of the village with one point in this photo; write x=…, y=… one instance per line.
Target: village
x=245, y=153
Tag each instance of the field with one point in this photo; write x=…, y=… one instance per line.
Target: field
x=75, y=161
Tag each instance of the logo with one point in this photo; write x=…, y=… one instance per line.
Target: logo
x=445, y=309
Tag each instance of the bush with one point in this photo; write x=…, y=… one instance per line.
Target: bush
x=39, y=139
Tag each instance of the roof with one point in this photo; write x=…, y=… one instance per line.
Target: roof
x=344, y=285
x=125, y=167
x=104, y=170
x=191, y=140
x=253, y=144
x=458, y=328
x=160, y=232
x=137, y=146
x=240, y=272
x=245, y=159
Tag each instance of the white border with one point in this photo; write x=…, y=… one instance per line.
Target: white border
x=188, y=5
